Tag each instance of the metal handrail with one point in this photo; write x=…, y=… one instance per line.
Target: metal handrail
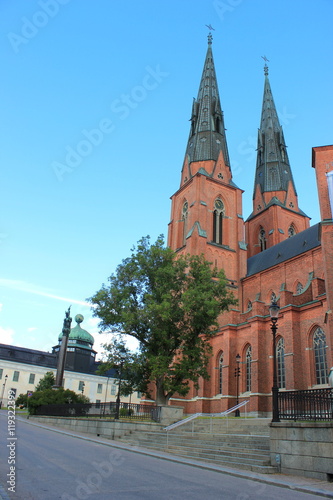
x=213, y=415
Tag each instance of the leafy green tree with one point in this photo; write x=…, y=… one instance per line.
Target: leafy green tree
x=170, y=303
x=127, y=365
x=47, y=382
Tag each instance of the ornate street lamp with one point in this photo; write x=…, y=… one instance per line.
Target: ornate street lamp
x=237, y=374
x=274, y=313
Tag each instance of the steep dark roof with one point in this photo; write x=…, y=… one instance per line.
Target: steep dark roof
x=43, y=358
x=273, y=172
x=207, y=135
x=287, y=249
x=28, y=356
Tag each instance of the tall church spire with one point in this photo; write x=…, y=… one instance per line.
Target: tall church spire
x=207, y=134
x=276, y=215
x=206, y=211
x=273, y=171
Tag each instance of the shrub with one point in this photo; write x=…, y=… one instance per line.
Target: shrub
x=126, y=412
x=54, y=396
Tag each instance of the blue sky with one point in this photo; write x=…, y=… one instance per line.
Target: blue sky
x=95, y=101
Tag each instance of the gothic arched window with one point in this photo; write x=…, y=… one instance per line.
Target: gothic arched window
x=184, y=219
x=299, y=288
x=248, y=361
x=262, y=239
x=217, y=221
x=220, y=370
x=291, y=231
x=319, y=347
x=281, y=371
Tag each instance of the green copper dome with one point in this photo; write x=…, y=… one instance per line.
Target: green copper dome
x=77, y=334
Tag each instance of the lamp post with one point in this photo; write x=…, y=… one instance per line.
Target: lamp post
x=274, y=313
x=119, y=387
x=3, y=389
x=237, y=374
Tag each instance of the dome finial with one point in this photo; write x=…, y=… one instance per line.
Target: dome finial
x=79, y=318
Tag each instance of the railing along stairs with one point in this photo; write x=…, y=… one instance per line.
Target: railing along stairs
x=197, y=415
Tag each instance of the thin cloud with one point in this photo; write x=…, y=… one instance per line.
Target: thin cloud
x=26, y=287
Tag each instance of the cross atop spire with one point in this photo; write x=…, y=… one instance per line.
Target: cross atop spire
x=265, y=67
x=210, y=37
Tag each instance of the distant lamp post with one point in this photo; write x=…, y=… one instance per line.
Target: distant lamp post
x=237, y=374
x=3, y=390
x=274, y=313
x=120, y=372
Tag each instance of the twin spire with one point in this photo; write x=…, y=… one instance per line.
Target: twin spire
x=273, y=171
x=207, y=137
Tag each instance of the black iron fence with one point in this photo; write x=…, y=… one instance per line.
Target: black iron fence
x=132, y=411
x=312, y=404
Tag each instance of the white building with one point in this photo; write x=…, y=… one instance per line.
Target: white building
x=22, y=368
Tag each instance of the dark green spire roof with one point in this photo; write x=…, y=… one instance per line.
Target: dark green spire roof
x=207, y=134
x=273, y=171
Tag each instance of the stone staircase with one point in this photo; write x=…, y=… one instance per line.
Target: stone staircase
x=241, y=443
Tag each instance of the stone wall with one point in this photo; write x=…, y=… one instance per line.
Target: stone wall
x=110, y=429
x=303, y=448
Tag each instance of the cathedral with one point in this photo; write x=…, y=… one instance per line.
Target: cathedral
x=273, y=255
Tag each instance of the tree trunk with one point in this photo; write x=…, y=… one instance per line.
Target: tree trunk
x=161, y=398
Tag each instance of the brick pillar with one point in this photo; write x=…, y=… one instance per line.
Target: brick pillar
x=322, y=161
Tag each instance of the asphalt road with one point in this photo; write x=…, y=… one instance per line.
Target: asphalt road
x=50, y=465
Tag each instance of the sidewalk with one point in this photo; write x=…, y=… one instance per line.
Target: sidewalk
x=297, y=483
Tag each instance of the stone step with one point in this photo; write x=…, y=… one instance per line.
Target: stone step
x=235, y=461
x=241, y=458
x=215, y=425
x=224, y=430
x=243, y=453
x=259, y=442
x=238, y=443
x=207, y=432
x=263, y=469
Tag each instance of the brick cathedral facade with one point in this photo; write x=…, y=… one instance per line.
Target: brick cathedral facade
x=273, y=254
